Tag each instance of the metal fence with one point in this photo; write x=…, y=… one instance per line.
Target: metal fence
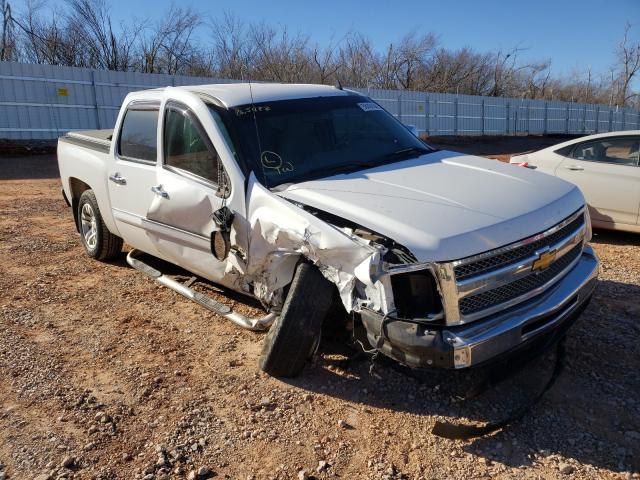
x=45, y=101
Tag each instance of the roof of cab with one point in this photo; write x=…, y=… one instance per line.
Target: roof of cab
x=234, y=94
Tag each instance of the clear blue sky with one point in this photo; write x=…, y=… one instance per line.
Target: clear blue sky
x=572, y=33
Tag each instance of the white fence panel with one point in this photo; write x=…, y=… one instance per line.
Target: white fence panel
x=45, y=101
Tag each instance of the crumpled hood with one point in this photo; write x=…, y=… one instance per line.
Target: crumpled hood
x=444, y=205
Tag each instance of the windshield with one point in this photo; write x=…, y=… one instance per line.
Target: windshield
x=296, y=140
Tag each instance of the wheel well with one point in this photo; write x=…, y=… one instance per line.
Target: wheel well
x=77, y=187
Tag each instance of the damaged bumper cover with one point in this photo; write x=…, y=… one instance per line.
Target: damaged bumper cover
x=551, y=313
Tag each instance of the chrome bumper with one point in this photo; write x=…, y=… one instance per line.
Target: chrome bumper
x=483, y=340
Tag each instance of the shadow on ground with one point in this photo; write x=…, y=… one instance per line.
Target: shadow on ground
x=585, y=416
x=29, y=167
x=614, y=237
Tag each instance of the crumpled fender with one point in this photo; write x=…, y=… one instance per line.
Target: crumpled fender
x=280, y=233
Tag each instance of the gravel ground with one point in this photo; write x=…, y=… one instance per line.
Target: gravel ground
x=104, y=374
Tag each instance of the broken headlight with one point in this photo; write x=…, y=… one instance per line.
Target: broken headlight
x=416, y=296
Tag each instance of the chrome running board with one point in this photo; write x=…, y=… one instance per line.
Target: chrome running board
x=254, y=324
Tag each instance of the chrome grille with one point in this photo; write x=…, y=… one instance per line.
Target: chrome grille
x=482, y=284
x=495, y=262
x=484, y=300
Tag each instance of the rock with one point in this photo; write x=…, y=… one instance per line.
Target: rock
x=68, y=462
x=43, y=476
x=322, y=466
x=105, y=419
x=343, y=424
x=565, y=468
x=204, y=471
x=303, y=475
x=126, y=457
x=192, y=475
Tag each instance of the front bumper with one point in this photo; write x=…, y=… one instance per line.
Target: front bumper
x=479, y=342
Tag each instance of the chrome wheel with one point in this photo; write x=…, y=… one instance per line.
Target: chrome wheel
x=89, y=226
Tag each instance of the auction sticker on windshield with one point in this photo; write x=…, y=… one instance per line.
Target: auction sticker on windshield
x=369, y=106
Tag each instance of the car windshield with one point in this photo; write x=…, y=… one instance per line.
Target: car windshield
x=290, y=141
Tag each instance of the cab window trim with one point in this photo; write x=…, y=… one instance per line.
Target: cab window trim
x=190, y=114
x=138, y=105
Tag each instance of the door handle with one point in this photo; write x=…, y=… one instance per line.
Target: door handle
x=575, y=168
x=116, y=178
x=159, y=191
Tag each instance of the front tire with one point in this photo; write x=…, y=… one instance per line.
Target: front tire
x=295, y=334
x=97, y=240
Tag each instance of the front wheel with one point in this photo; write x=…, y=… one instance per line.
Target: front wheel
x=97, y=240
x=295, y=334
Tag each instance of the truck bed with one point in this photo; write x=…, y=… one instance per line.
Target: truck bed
x=94, y=139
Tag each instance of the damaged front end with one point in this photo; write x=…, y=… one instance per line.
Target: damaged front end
x=377, y=279
x=415, y=312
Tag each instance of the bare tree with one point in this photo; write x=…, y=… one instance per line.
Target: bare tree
x=7, y=38
x=628, y=65
x=106, y=47
x=232, y=53
x=357, y=61
x=46, y=38
x=176, y=33
x=279, y=56
x=325, y=64
x=413, y=55
x=86, y=36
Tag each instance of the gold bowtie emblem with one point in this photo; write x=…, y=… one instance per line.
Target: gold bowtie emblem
x=544, y=260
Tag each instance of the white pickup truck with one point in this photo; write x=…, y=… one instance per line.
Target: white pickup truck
x=308, y=196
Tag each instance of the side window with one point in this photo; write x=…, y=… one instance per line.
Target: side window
x=139, y=134
x=619, y=151
x=185, y=147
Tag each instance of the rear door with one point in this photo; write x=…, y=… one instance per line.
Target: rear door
x=191, y=186
x=606, y=170
x=134, y=172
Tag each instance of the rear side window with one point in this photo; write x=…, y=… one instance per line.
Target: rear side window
x=139, y=134
x=186, y=147
x=619, y=151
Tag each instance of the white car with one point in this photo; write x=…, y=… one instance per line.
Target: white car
x=606, y=167
x=308, y=196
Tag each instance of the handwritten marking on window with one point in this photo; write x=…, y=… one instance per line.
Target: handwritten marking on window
x=240, y=111
x=273, y=161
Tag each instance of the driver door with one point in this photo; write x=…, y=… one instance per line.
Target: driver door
x=190, y=187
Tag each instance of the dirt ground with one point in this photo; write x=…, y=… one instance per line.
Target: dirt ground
x=104, y=374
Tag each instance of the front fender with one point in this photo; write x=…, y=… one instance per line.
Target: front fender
x=281, y=233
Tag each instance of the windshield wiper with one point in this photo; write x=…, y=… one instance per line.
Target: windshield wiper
x=407, y=152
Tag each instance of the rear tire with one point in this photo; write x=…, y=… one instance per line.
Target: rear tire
x=295, y=334
x=97, y=240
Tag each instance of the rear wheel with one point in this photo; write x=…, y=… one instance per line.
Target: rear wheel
x=97, y=240
x=295, y=334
